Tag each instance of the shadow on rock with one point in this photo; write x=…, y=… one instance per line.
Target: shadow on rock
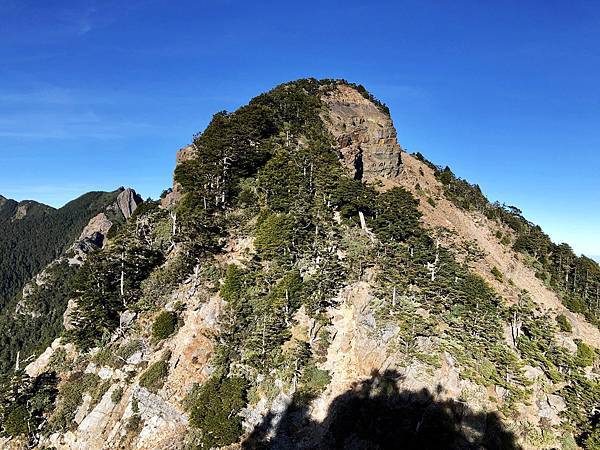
x=375, y=414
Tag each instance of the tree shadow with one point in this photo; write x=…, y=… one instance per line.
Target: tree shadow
x=375, y=414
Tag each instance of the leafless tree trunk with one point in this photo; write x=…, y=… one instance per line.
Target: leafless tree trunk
x=363, y=225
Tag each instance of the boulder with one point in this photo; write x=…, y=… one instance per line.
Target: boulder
x=127, y=202
x=67, y=315
x=126, y=318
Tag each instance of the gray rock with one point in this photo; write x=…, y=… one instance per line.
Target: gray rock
x=389, y=332
x=68, y=314
x=127, y=202
x=532, y=373
x=153, y=406
x=126, y=318
x=557, y=402
x=135, y=359
x=106, y=373
x=567, y=343
x=368, y=320
x=83, y=409
x=99, y=224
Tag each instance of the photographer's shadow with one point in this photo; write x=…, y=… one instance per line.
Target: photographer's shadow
x=375, y=414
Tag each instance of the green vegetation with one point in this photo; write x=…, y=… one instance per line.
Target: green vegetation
x=298, y=190
x=108, y=282
x=214, y=409
x=116, y=395
x=154, y=377
x=31, y=335
x=25, y=403
x=134, y=424
x=28, y=245
x=268, y=171
x=70, y=396
x=164, y=325
x=539, y=348
x=397, y=218
x=275, y=235
x=585, y=354
x=312, y=383
x=563, y=323
x=497, y=274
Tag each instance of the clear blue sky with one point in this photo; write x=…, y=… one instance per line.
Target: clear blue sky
x=98, y=94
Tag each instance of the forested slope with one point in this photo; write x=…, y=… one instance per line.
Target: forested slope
x=33, y=234
x=36, y=271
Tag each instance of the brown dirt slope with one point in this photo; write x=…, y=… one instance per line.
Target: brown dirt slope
x=456, y=227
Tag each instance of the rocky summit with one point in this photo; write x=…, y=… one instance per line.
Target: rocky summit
x=308, y=284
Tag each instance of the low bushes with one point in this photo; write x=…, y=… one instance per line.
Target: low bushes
x=164, y=325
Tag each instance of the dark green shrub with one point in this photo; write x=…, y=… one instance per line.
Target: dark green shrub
x=397, y=217
x=274, y=235
x=15, y=423
x=164, y=325
x=312, y=382
x=585, y=355
x=563, y=323
x=25, y=403
x=134, y=423
x=214, y=410
x=154, y=377
x=351, y=197
x=117, y=395
x=232, y=287
x=497, y=274
x=69, y=398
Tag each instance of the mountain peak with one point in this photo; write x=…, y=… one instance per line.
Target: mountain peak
x=315, y=284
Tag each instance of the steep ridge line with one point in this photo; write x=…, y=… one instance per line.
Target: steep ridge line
x=469, y=226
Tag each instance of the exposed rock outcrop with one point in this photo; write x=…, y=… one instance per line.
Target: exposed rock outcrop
x=24, y=207
x=98, y=224
x=41, y=362
x=183, y=154
x=127, y=202
x=94, y=234
x=365, y=135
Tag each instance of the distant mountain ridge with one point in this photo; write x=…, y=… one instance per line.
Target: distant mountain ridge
x=34, y=241
x=32, y=234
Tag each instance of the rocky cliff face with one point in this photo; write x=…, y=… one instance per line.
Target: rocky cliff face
x=374, y=352
x=365, y=135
